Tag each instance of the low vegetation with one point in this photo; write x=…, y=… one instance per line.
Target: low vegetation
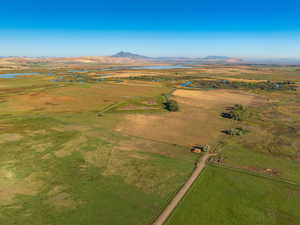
x=224, y=197
x=91, y=147
x=239, y=131
x=272, y=145
x=227, y=84
x=60, y=163
x=237, y=112
x=171, y=105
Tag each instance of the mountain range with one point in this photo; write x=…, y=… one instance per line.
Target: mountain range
x=130, y=55
x=208, y=59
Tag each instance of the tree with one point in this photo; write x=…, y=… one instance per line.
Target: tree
x=171, y=105
x=237, y=112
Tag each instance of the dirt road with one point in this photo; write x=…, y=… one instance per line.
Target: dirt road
x=172, y=205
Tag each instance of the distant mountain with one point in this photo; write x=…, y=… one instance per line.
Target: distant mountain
x=214, y=57
x=129, y=55
x=273, y=61
x=208, y=59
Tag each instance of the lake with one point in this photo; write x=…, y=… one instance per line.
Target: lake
x=78, y=71
x=160, y=67
x=135, y=68
x=14, y=75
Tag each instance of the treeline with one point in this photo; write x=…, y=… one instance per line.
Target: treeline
x=165, y=78
x=200, y=82
x=226, y=84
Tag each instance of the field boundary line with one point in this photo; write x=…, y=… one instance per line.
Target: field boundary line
x=157, y=141
x=251, y=173
x=111, y=106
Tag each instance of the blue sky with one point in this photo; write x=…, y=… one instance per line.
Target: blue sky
x=238, y=28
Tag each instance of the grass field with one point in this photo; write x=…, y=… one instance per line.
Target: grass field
x=228, y=197
x=272, y=145
x=199, y=111
x=86, y=152
x=62, y=163
x=257, y=180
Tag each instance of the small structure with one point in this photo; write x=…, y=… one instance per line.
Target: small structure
x=200, y=148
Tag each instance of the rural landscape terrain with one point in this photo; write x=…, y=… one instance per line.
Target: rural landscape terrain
x=111, y=140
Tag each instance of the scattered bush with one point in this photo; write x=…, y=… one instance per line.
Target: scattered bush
x=171, y=105
x=236, y=131
x=237, y=112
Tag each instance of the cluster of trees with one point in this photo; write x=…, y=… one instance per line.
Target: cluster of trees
x=237, y=112
x=171, y=105
x=166, y=78
x=226, y=84
x=73, y=78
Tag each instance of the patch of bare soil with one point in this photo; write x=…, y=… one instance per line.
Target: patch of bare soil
x=9, y=137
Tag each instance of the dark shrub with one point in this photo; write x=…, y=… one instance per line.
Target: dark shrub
x=237, y=112
x=171, y=105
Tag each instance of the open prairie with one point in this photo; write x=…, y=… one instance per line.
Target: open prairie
x=254, y=178
x=225, y=197
x=63, y=163
x=199, y=111
x=95, y=146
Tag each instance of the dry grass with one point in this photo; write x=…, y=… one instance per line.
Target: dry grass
x=10, y=185
x=197, y=122
x=212, y=99
x=77, y=98
x=234, y=70
x=9, y=137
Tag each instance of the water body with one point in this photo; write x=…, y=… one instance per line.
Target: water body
x=186, y=84
x=134, y=68
x=160, y=67
x=14, y=75
x=78, y=71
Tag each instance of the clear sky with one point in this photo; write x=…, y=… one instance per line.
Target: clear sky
x=240, y=28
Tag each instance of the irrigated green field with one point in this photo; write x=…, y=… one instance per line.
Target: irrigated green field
x=224, y=196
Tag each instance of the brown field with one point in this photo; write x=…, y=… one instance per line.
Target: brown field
x=197, y=122
x=77, y=98
x=236, y=70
